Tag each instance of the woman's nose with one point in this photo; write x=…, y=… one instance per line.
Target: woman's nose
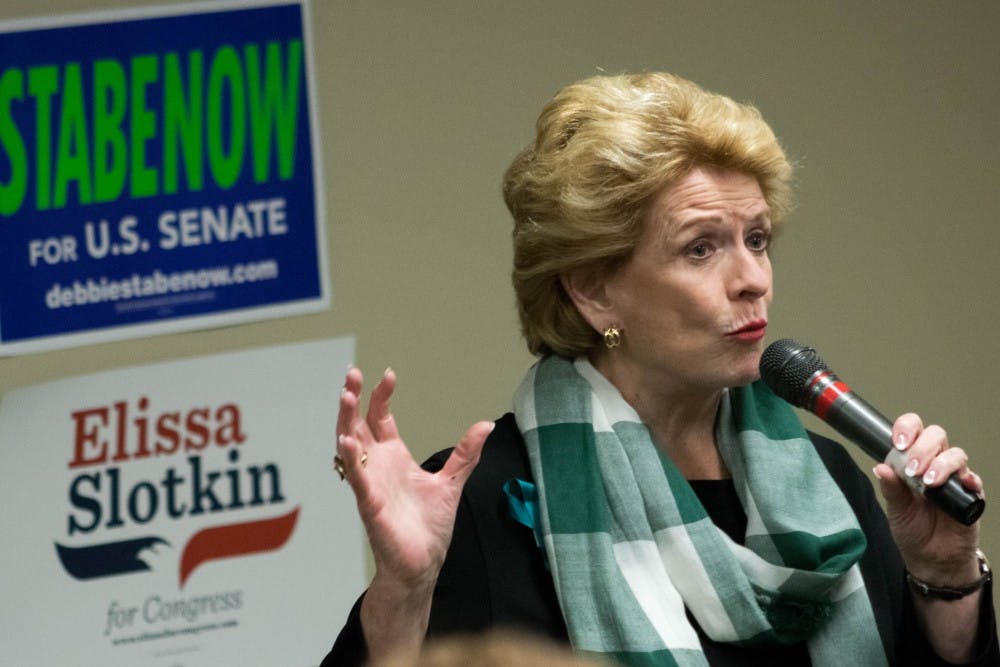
x=751, y=275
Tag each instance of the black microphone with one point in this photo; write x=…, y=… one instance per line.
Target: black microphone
x=797, y=374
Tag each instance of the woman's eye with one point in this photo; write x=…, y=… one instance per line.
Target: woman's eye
x=699, y=250
x=758, y=241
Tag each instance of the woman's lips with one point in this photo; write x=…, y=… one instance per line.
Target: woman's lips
x=751, y=332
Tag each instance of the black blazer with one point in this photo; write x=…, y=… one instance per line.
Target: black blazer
x=494, y=574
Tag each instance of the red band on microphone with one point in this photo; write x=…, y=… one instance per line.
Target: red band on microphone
x=833, y=390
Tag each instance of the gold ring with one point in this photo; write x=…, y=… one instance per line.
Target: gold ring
x=364, y=458
x=338, y=465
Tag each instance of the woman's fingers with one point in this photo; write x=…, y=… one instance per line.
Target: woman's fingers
x=930, y=456
x=923, y=447
x=350, y=463
x=378, y=424
x=356, y=435
x=380, y=420
x=941, y=467
x=971, y=481
x=905, y=430
x=465, y=456
x=353, y=380
x=350, y=397
x=929, y=445
x=358, y=438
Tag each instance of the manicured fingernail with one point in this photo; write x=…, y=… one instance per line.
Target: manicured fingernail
x=911, y=467
x=900, y=442
x=930, y=476
x=875, y=472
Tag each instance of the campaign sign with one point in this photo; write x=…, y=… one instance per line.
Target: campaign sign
x=159, y=172
x=179, y=515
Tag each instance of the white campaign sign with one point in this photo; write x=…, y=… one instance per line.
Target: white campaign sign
x=178, y=514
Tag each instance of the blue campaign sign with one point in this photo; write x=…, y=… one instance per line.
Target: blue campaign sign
x=158, y=172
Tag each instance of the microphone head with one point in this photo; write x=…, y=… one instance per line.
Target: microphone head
x=787, y=368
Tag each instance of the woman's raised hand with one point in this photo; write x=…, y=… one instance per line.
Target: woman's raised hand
x=407, y=512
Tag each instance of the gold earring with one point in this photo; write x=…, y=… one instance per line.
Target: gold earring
x=612, y=337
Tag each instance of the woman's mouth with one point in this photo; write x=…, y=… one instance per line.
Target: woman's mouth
x=752, y=332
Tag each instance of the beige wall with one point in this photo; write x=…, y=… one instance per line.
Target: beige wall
x=888, y=265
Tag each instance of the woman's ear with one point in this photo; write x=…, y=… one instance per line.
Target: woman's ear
x=587, y=289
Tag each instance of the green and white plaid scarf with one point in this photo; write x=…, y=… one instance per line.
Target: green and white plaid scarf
x=630, y=545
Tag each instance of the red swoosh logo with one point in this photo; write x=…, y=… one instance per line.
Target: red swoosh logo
x=236, y=539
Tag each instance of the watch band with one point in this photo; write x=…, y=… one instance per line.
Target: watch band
x=926, y=590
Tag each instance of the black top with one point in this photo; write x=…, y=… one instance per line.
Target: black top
x=494, y=574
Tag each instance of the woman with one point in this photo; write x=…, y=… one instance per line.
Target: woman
x=648, y=500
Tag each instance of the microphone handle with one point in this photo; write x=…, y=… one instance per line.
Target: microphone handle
x=856, y=419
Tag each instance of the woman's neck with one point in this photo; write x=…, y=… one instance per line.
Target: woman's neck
x=681, y=420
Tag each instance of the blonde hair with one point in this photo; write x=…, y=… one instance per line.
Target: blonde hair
x=604, y=148
x=494, y=648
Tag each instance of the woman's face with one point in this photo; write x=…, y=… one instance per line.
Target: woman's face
x=692, y=300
